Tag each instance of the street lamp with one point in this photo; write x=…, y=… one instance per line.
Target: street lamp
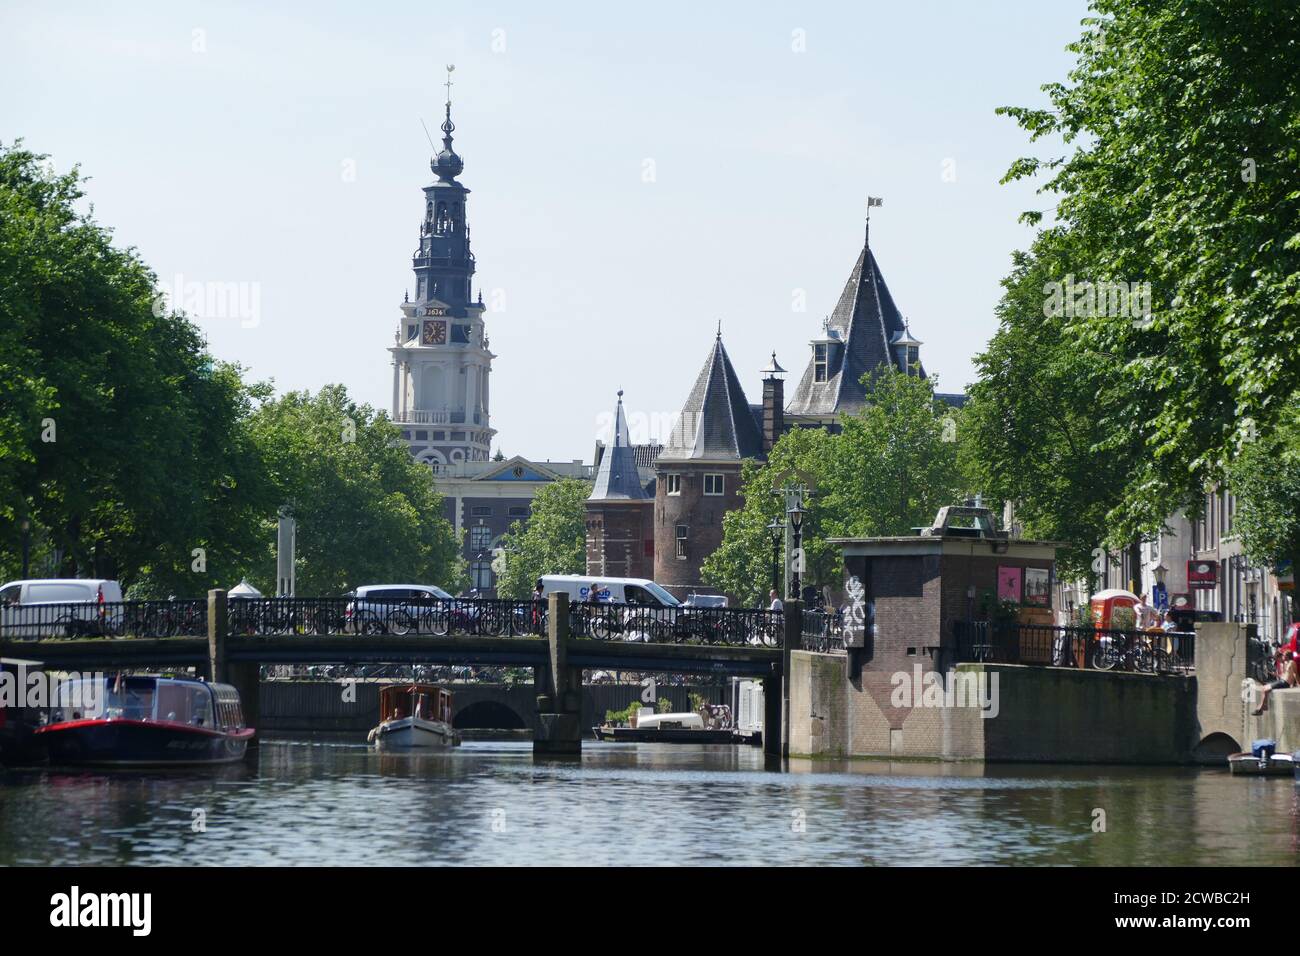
x=777, y=530
x=795, y=517
x=27, y=543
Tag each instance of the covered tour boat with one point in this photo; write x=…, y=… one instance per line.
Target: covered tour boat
x=144, y=721
x=414, y=715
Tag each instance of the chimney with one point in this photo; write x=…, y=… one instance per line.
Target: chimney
x=773, y=404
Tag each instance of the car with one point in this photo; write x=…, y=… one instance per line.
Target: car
x=400, y=609
x=60, y=607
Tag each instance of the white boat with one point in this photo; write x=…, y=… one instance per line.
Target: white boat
x=1263, y=764
x=414, y=716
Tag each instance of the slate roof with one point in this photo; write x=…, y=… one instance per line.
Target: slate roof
x=716, y=423
x=617, y=477
x=864, y=321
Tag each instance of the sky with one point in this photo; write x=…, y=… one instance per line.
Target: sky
x=639, y=174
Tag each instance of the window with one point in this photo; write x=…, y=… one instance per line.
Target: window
x=518, y=511
x=819, y=363
x=913, y=356
x=410, y=331
x=681, y=541
x=480, y=573
x=713, y=484
x=421, y=436
x=674, y=484
x=481, y=511
x=480, y=537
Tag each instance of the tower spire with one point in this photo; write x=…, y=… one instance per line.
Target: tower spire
x=447, y=125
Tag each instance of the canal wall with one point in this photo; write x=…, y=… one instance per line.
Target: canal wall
x=993, y=712
x=344, y=707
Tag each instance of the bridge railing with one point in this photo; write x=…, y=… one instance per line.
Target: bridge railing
x=1151, y=652
x=264, y=617
x=676, y=625
x=822, y=632
x=72, y=619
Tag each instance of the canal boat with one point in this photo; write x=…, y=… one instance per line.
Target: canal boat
x=414, y=716
x=1262, y=761
x=143, y=721
x=683, y=728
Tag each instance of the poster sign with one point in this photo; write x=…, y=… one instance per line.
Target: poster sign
x=1009, y=580
x=1202, y=575
x=1181, y=602
x=1038, y=587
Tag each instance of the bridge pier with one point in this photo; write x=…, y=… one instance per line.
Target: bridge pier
x=244, y=677
x=559, y=688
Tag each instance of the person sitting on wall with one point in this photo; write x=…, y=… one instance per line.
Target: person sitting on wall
x=1290, y=655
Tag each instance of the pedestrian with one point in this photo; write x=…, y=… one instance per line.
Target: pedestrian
x=776, y=604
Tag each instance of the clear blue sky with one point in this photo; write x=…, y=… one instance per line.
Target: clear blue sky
x=226, y=163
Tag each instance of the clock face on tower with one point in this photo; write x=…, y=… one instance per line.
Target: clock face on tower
x=435, y=333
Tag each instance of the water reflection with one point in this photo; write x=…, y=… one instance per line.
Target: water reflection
x=332, y=802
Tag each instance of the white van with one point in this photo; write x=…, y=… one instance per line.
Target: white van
x=59, y=607
x=612, y=590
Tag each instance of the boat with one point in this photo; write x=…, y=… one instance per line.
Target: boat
x=143, y=721
x=1262, y=761
x=414, y=716
x=679, y=728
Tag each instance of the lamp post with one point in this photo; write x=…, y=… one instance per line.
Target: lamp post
x=777, y=531
x=27, y=543
x=795, y=516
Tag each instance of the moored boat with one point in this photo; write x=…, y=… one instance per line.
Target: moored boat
x=1262, y=761
x=414, y=716
x=144, y=721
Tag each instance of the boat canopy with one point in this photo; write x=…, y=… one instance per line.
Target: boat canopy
x=426, y=701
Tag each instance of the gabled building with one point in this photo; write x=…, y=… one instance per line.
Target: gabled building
x=697, y=476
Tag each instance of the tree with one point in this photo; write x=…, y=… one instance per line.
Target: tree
x=1033, y=431
x=120, y=436
x=1183, y=118
x=552, y=541
x=889, y=469
x=1265, y=479
x=366, y=512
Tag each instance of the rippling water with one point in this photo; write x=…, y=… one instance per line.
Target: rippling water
x=322, y=802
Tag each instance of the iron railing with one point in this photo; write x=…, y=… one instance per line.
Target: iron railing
x=822, y=632
x=1149, y=652
x=70, y=619
x=255, y=617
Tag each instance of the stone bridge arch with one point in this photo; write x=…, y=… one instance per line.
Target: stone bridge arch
x=478, y=705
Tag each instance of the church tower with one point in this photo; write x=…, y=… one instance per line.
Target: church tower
x=441, y=360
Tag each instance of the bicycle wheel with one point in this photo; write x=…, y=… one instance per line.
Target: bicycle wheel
x=1105, y=655
x=401, y=621
x=436, y=621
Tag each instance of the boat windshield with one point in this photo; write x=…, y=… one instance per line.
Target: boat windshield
x=133, y=698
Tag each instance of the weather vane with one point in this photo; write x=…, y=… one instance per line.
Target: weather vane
x=451, y=68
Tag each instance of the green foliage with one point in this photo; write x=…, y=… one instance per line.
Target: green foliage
x=664, y=706
x=1183, y=128
x=890, y=468
x=366, y=512
x=165, y=469
x=1265, y=477
x=1032, y=427
x=120, y=437
x=554, y=541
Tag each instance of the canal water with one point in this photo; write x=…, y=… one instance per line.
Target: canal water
x=340, y=803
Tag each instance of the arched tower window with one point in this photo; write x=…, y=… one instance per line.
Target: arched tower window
x=444, y=222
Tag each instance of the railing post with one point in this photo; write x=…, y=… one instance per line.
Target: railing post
x=792, y=640
x=244, y=676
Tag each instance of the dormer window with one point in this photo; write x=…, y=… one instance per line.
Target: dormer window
x=913, y=356
x=820, y=363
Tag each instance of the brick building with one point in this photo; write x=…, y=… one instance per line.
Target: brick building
x=620, y=511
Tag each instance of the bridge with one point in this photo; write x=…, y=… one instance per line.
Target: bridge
x=558, y=641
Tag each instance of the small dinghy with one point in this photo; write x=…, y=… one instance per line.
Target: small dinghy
x=1262, y=761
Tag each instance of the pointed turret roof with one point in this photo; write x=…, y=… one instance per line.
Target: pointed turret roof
x=618, y=479
x=858, y=336
x=716, y=423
